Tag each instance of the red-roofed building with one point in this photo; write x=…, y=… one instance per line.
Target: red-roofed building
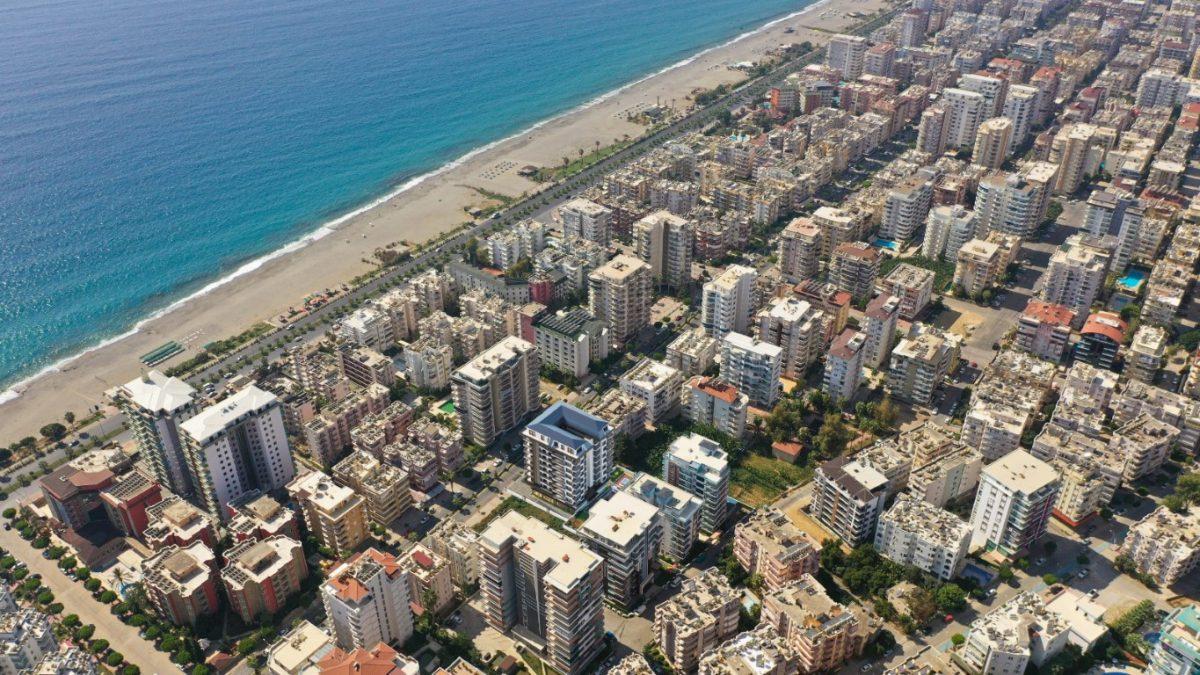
x=1044, y=329
x=127, y=500
x=712, y=401
x=367, y=601
x=1100, y=340
x=429, y=579
x=379, y=660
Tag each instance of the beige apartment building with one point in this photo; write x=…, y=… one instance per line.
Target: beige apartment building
x=334, y=514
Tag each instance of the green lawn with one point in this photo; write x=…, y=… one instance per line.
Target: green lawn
x=760, y=480
x=523, y=508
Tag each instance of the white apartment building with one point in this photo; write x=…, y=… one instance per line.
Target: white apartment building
x=658, y=385
x=993, y=143
x=1146, y=354
x=697, y=619
x=699, y=466
x=624, y=531
x=570, y=340
x=549, y=586
x=1001, y=642
x=693, y=352
x=762, y=651
x=154, y=406
x=568, y=454
x=496, y=390
x=915, y=532
x=458, y=545
x=620, y=294
x=678, y=514
x=1164, y=545
x=665, y=241
x=843, y=365
x=754, y=367
x=1010, y=204
x=520, y=242
x=367, y=600
x=1020, y=106
x=846, y=54
x=946, y=230
x=708, y=400
x=965, y=111
x=993, y=90
x=912, y=285
x=905, y=208
x=882, y=314
x=1074, y=277
x=237, y=446
x=429, y=363
x=920, y=363
x=726, y=301
x=800, y=249
x=798, y=329
x=27, y=637
x=585, y=219
x=848, y=496
x=1012, y=507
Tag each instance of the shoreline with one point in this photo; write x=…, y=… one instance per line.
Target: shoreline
x=418, y=210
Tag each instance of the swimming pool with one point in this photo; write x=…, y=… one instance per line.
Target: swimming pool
x=888, y=244
x=1132, y=279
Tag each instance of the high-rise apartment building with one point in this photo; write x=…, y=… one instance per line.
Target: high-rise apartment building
x=798, y=329
x=664, y=241
x=182, y=583
x=846, y=54
x=697, y=619
x=260, y=576
x=568, y=454
x=1012, y=507
x=965, y=111
x=993, y=143
x=920, y=363
x=546, y=584
x=237, y=446
x=854, y=268
x=800, y=249
x=620, y=294
x=699, y=465
x=905, y=208
x=882, y=314
x=570, y=340
x=726, y=301
x=154, y=406
x=915, y=532
x=1074, y=277
x=336, y=515
x=585, y=219
x=843, y=365
x=709, y=400
x=848, y=496
x=495, y=391
x=367, y=601
x=946, y=230
x=678, y=514
x=625, y=532
x=754, y=367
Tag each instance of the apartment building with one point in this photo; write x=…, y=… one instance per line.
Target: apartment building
x=699, y=466
x=848, y=496
x=1145, y=443
x=754, y=367
x=430, y=581
x=260, y=517
x=367, y=601
x=69, y=661
x=769, y=544
x=951, y=475
x=1178, y=649
x=665, y=241
x=965, y=111
x=365, y=366
x=854, y=268
x=1013, y=505
x=260, y=576
x=847, y=54
x=1001, y=641
x=693, y=352
x=678, y=514
x=800, y=246
x=459, y=546
x=947, y=228
x=383, y=487
x=823, y=634
x=547, y=585
x=912, y=285
x=762, y=651
x=993, y=143
x=915, y=532
x=843, y=365
x=1078, y=150
x=329, y=435
x=27, y=637
x=981, y=266
x=1146, y=353
x=726, y=301
x=920, y=363
x=1020, y=106
x=182, y=583
x=696, y=620
x=626, y=414
x=624, y=531
x=620, y=294
x=495, y=391
x=429, y=364
x=336, y=515
x=1074, y=277
x=1164, y=545
x=1013, y=203
x=442, y=440
x=657, y=385
x=882, y=314
x=798, y=329
x=1044, y=329
x=237, y=446
x=568, y=454
x=585, y=219
x=905, y=208
x=711, y=401
x=174, y=522
x=570, y=340
x=154, y=406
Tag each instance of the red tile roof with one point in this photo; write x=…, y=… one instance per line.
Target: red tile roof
x=717, y=389
x=1049, y=312
x=380, y=660
x=1107, y=324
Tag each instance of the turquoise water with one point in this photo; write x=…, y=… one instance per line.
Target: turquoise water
x=888, y=244
x=1132, y=278
x=149, y=147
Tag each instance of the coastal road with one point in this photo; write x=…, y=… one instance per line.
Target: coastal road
x=242, y=359
x=77, y=600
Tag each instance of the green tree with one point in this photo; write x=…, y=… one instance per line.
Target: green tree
x=958, y=639
x=1005, y=573
x=53, y=431
x=99, y=645
x=950, y=598
x=114, y=659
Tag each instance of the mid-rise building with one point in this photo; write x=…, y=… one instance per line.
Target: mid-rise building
x=678, y=514
x=336, y=515
x=798, y=329
x=657, y=385
x=27, y=637
x=237, y=446
x=919, y=364
x=624, y=531
x=260, y=576
x=620, y=294
x=1013, y=505
x=1164, y=545
x=429, y=364
x=915, y=532
x=711, y=401
x=726, y=301
x=946, y=230
x=693, y=352
x=568, y=454
x=699, y=466
x=1044, y=329
x=430, y=581
x=1074, y=277
x=824, y=634
x=912, y=285
x=847, y=54
x=905, y=209
x=154, y=406
x=664, y=240
x=882, y=314
x=697, y=619
x=769, y=544
x=854, y=268
x=547, y=585
x=174, y=522
x=570, y=340
x=754, y=367
x=1177, y=651
x=800, y=246
x=1013, y=203
x=1002, y=640
x=1146, y=354
x=367, y=601
x=383, y=487
x=965, y=111
x=980, y=266
x=182, y=583
x=993, y=143
x=69, y=661
x=843, y=365
x=458, y=545
x=497, y=390
x=585, y=219
x=848, y=496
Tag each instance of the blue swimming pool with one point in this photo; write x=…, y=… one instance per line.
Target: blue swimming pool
x=888, y=244
x=1132, y=279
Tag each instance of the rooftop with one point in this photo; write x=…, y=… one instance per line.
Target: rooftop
x=156, y=392
x=619, y=519
x=571, y=560
x=1021, y=471
x=216, y=418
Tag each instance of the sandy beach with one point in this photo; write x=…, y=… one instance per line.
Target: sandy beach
x=420, y=213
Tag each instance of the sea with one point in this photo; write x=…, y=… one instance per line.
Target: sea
x=151, y=148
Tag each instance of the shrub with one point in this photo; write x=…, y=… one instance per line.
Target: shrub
x=92, y=585
x=55, y=608
x=114, y=659
x=107, y=597
x=131, y=670
x=70, y=620
x=1050, y=579
x=45, y=598
x=958, y=639
x=85, y=632
x=99, y=645
x=10, y=513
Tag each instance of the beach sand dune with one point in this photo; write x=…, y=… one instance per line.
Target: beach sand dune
x=420, y=213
